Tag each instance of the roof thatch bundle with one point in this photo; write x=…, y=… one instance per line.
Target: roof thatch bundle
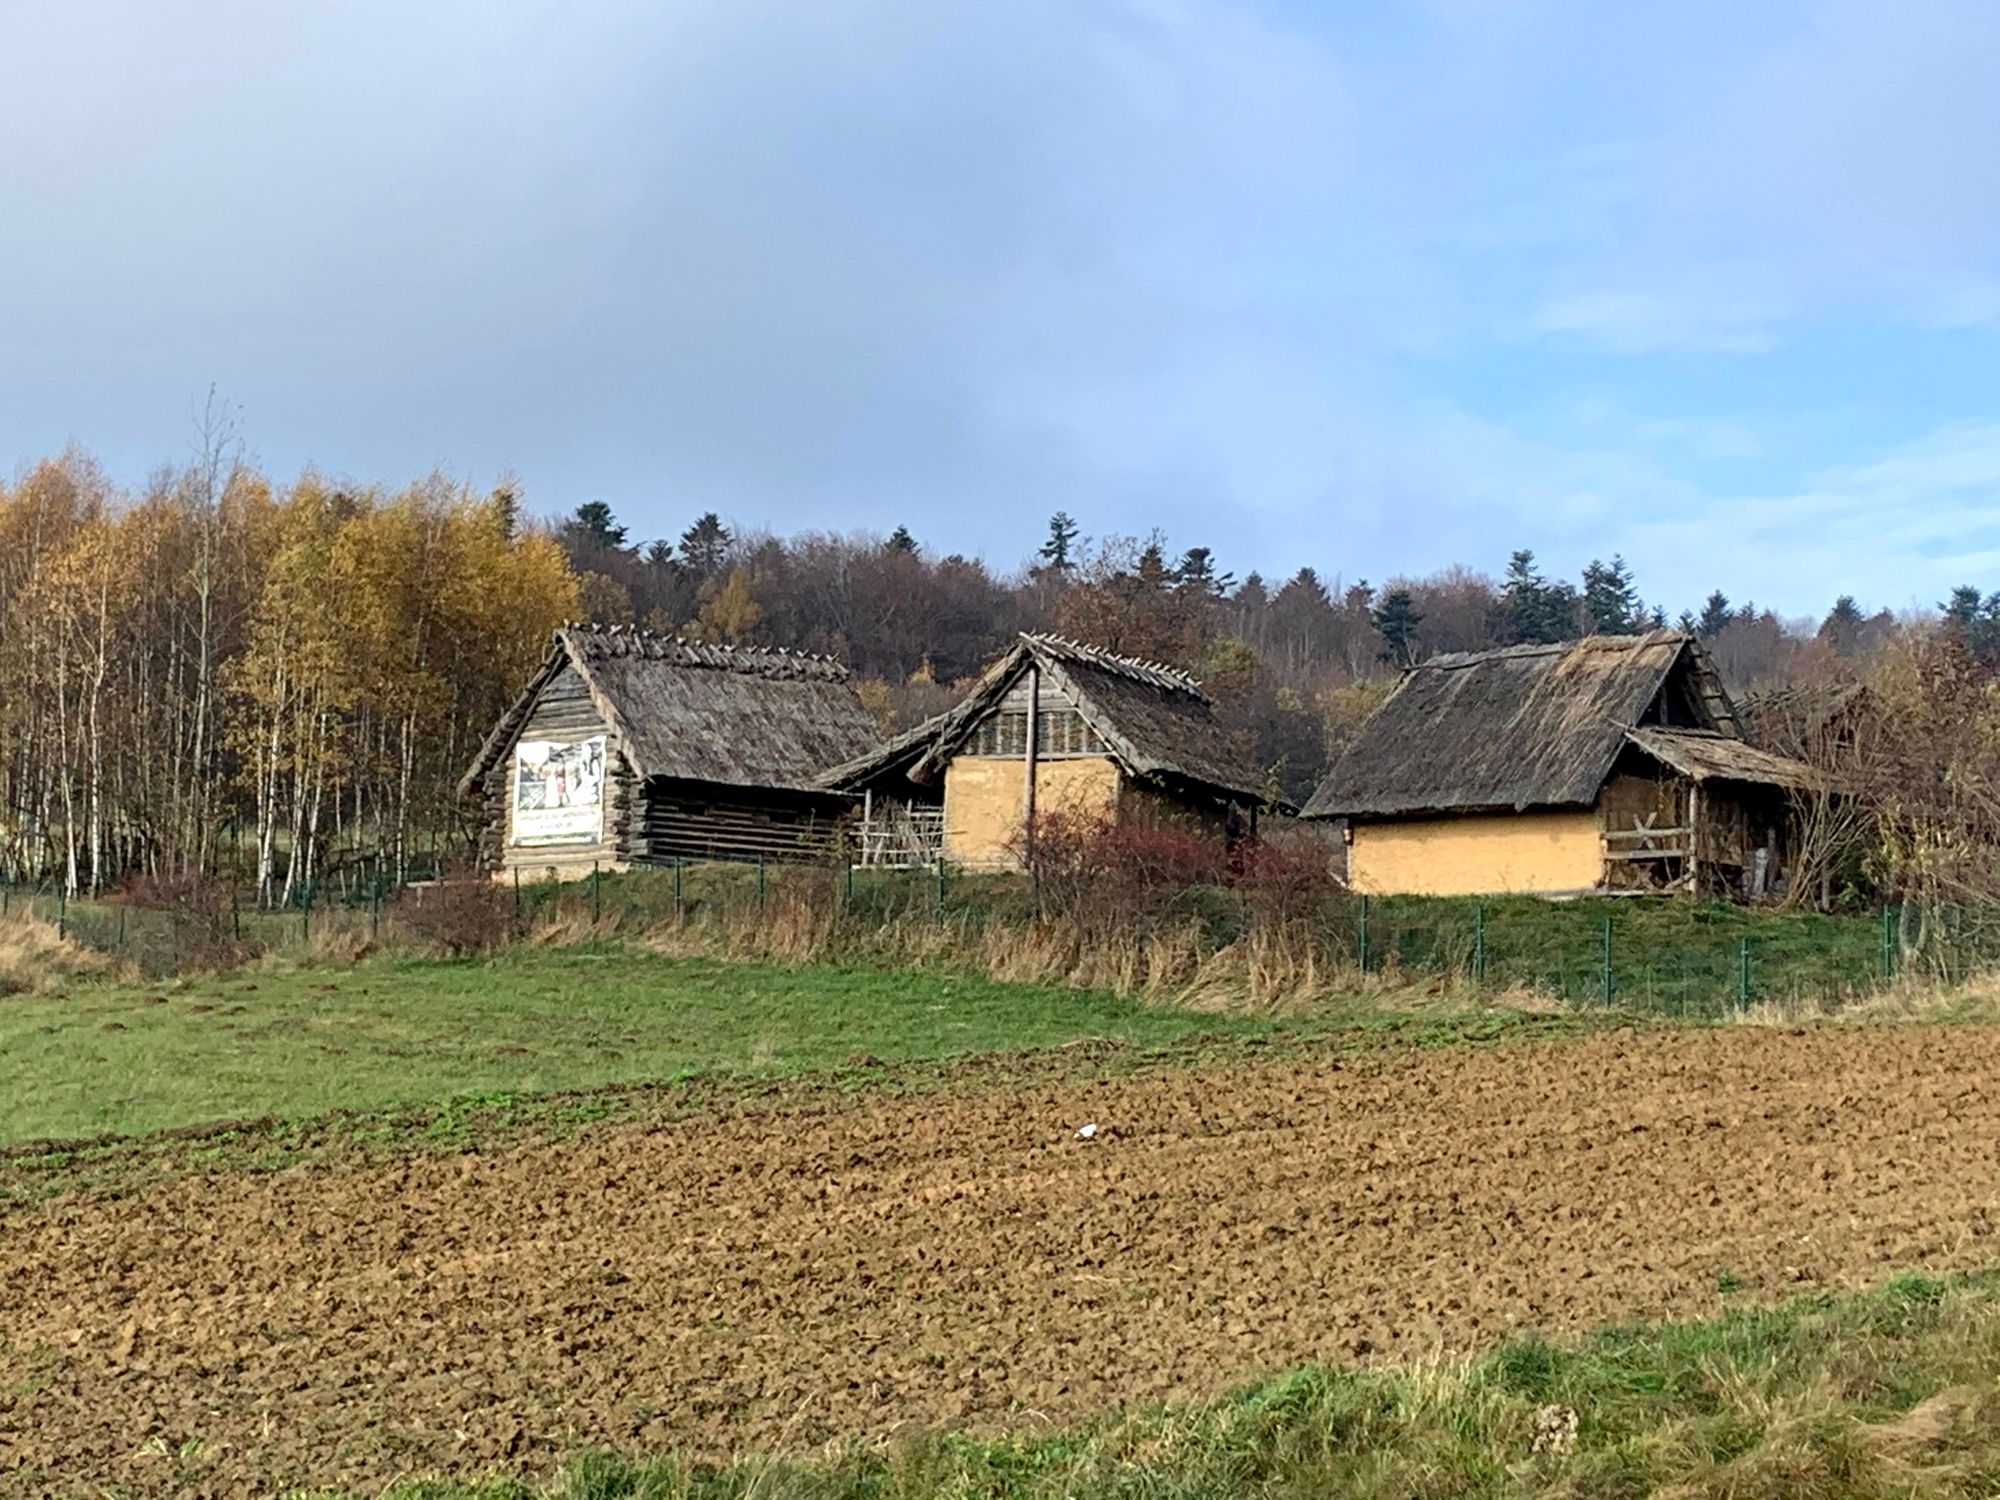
x=734, y=715
x=1524, y=727
x=1156, y=722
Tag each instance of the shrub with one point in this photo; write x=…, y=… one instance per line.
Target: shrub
x=462, y=916
x=1096, y=870
x=201, y=917
x=1292, y=879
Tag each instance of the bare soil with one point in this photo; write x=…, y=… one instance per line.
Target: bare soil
x=850, y=1267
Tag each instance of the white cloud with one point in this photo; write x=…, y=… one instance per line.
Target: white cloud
x=1649, y=322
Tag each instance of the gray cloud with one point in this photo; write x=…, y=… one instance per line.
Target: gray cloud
x=1307, y=286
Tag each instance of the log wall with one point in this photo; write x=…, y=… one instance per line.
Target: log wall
x=703, y=820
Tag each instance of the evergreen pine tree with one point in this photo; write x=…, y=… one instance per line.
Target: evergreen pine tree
x=1196, y=572
x=1841, y=629
x=1610, y=603
x=1534, y=609
x=1396, y=621
x=705, y=546
x=1056, y=553
x=900, y=540
x=593, y=523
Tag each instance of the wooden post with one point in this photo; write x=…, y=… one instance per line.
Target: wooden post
x=1028, y=762
x=1606, y=977
x=1694, y=837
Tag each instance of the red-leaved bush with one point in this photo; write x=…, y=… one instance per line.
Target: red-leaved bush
x=1101, y=873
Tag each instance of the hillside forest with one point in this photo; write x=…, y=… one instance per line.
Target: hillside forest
x=221, y=673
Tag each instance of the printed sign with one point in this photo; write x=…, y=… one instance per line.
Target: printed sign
x=559, y=791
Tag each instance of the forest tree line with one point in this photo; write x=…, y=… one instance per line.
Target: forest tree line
x=221, y=672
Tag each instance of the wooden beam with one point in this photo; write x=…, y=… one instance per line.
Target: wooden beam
x=1028, y=754
x=1694, y=837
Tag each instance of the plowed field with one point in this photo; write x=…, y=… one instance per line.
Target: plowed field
x=777, y=1276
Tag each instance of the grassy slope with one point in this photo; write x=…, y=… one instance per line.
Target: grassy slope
x=123, y=1059
x=1887, y=1394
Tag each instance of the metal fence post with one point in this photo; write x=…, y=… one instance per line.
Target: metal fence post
x=940, y=889
x=517, y=895
x=62, y=912
x=1361, y=944
x=1743, y=973
x=596, y=894
x=760, y=885
x=847, y=896
x=679, y=909
x=1479, y=944
x=1605, y=985
x=1888, y=943
x=375, y=905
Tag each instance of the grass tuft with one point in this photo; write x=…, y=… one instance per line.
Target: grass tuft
x=1879, y=1396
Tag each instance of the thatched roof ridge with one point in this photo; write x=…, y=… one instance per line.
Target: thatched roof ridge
x=1523, y=727
x=613, y=642
x=742, y=716
x=1078, y=653
x=1155, y=719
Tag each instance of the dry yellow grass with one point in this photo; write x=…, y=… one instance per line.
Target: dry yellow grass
x=34, y=959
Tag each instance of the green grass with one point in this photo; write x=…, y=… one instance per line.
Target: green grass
x=1669, y=955
x=1887, y=1394
x=385, y=1033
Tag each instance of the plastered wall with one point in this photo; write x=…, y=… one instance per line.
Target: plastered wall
x=983, y=801
x=1479, y=855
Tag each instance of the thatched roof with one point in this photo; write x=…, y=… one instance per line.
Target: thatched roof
x=1525, y=727
x=1156, y=722
x=735, y=715
x=1704, y=755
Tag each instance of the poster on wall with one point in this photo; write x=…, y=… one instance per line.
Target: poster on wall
x=559, y=791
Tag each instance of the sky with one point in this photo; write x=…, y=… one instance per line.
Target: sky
x=1373, y=287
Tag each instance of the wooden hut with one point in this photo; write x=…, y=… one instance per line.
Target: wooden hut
x=632, y=748
x=1053, y=726
x=1609, y=763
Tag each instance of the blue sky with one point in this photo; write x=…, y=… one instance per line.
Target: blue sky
x=1374, y=287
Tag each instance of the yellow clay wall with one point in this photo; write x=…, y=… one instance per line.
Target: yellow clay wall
x=983, y=803
x=1478, y=855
